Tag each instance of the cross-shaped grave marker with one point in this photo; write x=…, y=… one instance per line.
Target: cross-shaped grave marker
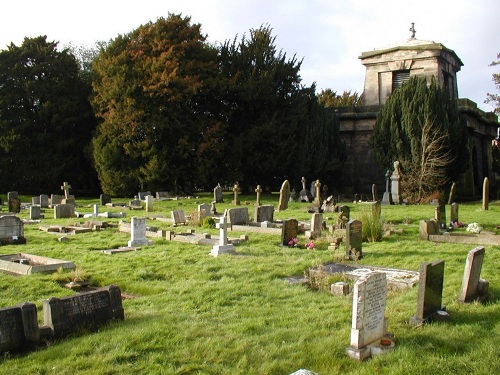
x=65, y=187
x=258, y=191
x=236, y=190
x=223, y=246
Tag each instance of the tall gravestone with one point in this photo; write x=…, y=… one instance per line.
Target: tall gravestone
x=354, y=239
x=317, y=195
x=316, y=225
x=430, y=293
x=473, y=287
x=374, y=193
x=486, y=192
x=304, y=194
x=223, y=246
x=454, y=212
x=289, y=230
x=218, y=197
x=376, y=210
x=236, y=190
x=149, y=203
x=387, y=198
x=138, y=233
x=440, y=216
x=396, y=184
x=369, y=324
x=453, y=191
x=258, y=190
x=284, y=196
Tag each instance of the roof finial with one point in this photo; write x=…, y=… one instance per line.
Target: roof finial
x=413, y=31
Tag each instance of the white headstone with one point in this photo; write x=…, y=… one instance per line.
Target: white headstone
x=138, y=232
x=223, y=246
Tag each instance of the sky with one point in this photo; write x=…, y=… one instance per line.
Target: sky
x=327, y=35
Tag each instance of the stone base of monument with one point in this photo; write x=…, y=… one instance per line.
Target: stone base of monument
x=438, y=316
x=377, y=347
x=222, y=249
x=139, y=243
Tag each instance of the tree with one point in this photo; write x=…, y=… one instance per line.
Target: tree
x=420, y=126
x=46, y=120
x=151, y=92
x=330, y=98
x=494, y=99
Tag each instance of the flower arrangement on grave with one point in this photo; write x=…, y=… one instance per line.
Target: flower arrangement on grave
x=474, y=228
x=294, y=242
x=310, y=245
x=456, y=224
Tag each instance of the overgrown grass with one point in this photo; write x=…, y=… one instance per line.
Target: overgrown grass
x=195, y=314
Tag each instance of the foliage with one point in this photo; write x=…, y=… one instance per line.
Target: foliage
x=208, y=223
x=420, y=126
x=330, y=98
x=372, y=225
x=46, y=120
x=494, y=99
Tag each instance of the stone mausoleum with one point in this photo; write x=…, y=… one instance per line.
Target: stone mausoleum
x=386, y=69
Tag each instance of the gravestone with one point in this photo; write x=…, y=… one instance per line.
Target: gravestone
x=11, y=230
x=35, y=201
x=44, y=201
x=64, y=211
x=15, y=205
x=55, y=199
x=284, y=196
x=149, y=203
x=135, y=203
x=430, y=293
x=88, y=310
x=138, y=233
x=486, y=192
x=454, y=213
x=143, y=194
x=369, y=324
x=162, y=195
x=289, y=230
x=396, y=185
x=374, y=193
x=203, y=211
x=264, y=213
x=428, y=228
x=316, y=225
x=376, y=210
x=258, y=190
x=18, y=327
x=35, y=213
x=453, y=190
x=344, y=216
x=178, y=217
x=317, y=195
x=236, y=190
x=95, y=212
x=12, y=195
x=238, y=216
x=223, y=246
x=218, y=197
x=304, y=195
x=354, y=239
x=387, y=197
x=104, y=199
x=65, y=188
x=440, y=216
x=473, y=287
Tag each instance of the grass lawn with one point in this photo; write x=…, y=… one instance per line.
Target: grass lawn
x=234, y=314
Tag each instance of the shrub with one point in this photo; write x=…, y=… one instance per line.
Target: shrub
x=208, y=223
x=372, y=226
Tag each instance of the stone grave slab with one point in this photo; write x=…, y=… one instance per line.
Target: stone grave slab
x=18, y=327
x=483, y=238
x=473, y=287
x=26, y=264
x=88, y=310
x=124, y=249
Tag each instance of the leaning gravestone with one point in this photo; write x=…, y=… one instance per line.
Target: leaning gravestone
x=11, y=230
x=178, y=217
x=473, y=286
x=289, y=230
x=453, y=189
x=18, y=327
x=83, y=311
x=430, y=293
x=369, y=324
x=264, y=213
x=238, y=216
x=354, y=239
x=284, y=196
x=143, y=194
x=12, y=195
x=138, y=232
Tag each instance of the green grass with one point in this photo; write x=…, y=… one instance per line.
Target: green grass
x=195, y=314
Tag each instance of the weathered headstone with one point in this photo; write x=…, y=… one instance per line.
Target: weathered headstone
x=454, y=212
x=178, y=217
x=440, y=216
x=143, y=194
x=203, y=211
x=344, y=216
x=258, y=190
x=317, y=195
x=354, y=239
x=12, y=195
x=396, y=185
x=289, y=230
x=473, y=287
x=104, y=199
x=162, y=195
x=453, y=191
x=18, y=327
x=44, y=200
x=264, y=213
x=35, y=212
x=428, y=228
x=64, y=211
x=486, y=192
x=316, y=225
x=238, y=216
x=138, y=233
x=369, y=324
x=15, y=205
x=430, y=293
x=35, y=201
x=55, y=199
x=376, y=210
x=218, y=197
x=284, y=196
x=223, y=246
x=149, y=203
x=88, y=310
x=374, y=193
x=236, y=190
x=65, y=188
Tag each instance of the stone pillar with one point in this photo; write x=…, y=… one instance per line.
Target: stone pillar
x=486, y=191
x=258, y=191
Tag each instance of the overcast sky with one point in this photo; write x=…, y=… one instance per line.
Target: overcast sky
x=329, y=35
